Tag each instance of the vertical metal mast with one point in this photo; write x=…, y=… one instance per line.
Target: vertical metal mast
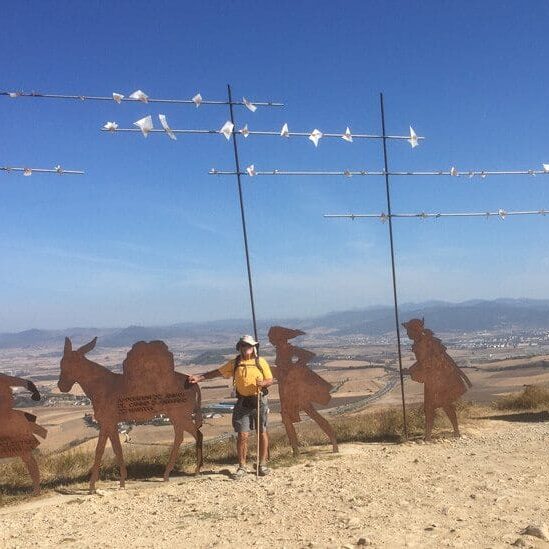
x=243, y=215
x=393, y=263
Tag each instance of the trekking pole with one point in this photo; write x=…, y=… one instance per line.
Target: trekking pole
x=258, y=434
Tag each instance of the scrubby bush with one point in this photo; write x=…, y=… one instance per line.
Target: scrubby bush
x=531, y=398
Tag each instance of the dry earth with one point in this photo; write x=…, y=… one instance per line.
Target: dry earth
x=478, y=491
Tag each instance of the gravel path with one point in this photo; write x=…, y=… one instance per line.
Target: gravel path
x=478, y=491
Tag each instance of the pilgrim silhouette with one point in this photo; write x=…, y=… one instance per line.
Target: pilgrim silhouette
x=298, y=386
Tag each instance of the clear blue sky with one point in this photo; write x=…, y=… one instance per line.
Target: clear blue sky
x=148, y=237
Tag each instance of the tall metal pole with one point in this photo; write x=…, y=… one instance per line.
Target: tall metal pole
x=393, y=264
x=249, y=269
x=242, y=214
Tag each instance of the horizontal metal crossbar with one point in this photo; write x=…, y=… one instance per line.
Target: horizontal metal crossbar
x=362, y=173
x=502, y=214
x=29, y=171
x=134, y=100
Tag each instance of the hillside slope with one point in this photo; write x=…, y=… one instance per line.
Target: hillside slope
x=478, y=491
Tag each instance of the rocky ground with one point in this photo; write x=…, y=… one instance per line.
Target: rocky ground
x=482, y=491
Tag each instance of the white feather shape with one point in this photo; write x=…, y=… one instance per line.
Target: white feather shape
x=347, y=136
x=249, y=105
x=166, y=126
x=227, y=129
x=145, y=125
x=316, y=136
x=140, y=96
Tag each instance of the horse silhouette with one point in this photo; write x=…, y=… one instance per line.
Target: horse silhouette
x=148, y=386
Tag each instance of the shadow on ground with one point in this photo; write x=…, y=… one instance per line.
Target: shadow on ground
x=524, y=417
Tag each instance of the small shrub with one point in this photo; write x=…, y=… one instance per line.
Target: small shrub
x=532, y=397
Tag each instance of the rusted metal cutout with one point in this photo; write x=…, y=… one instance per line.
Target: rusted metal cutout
x=298, y=386
x=149, y=385
x=18, y=429
x=444, y=382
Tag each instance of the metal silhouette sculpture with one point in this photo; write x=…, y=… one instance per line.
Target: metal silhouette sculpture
x=17, y=428
x=443, y=380
x=298, y=386
x=148, y=386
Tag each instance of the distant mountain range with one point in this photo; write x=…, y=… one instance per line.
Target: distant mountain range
x=468, y=316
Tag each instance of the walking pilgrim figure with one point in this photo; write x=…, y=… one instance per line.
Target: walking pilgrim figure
x=298, y=386
x=17, y=428
x=149, y=385
x=443, y=380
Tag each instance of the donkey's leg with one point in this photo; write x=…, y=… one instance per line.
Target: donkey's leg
x=195, y=432
x=99, y=449
x=34, y=472
x=324, y=425
x=117, y=449
x=178, y=439
x=291, y=434
x=450, y=410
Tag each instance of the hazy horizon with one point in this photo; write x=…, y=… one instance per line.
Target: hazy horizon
x=247, y=319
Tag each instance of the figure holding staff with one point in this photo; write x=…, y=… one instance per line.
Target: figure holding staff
x=251, y=375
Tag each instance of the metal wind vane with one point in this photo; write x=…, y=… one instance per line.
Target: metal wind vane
x=140, y=96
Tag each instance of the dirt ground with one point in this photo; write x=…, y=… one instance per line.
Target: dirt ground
x=477, y=491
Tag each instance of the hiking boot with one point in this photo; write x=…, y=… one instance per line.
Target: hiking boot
x=241, y=472
x=264, y=471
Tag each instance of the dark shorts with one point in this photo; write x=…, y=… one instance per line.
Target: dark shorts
x=245, y=419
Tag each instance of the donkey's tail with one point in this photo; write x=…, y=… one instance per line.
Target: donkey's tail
x=197, y=406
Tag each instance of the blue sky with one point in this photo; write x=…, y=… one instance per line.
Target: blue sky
x=148, y=237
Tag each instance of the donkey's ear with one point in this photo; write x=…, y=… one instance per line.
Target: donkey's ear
x=88, y=347
x=68, y=346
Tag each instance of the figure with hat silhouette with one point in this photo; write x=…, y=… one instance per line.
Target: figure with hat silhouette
x=251, y=376
x=17, y=428
x=443, y=380
x=298, y=386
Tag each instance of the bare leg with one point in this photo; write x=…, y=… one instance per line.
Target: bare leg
x=34, y=473
x=178, y=439
x=292, y=435
x=99, y=449
x=450, y=410
x=117, y=449
x=263, y=446
x=429, y=420
x=324, y=425
x=242, y=448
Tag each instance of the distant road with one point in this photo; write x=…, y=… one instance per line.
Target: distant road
x=357, y=405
